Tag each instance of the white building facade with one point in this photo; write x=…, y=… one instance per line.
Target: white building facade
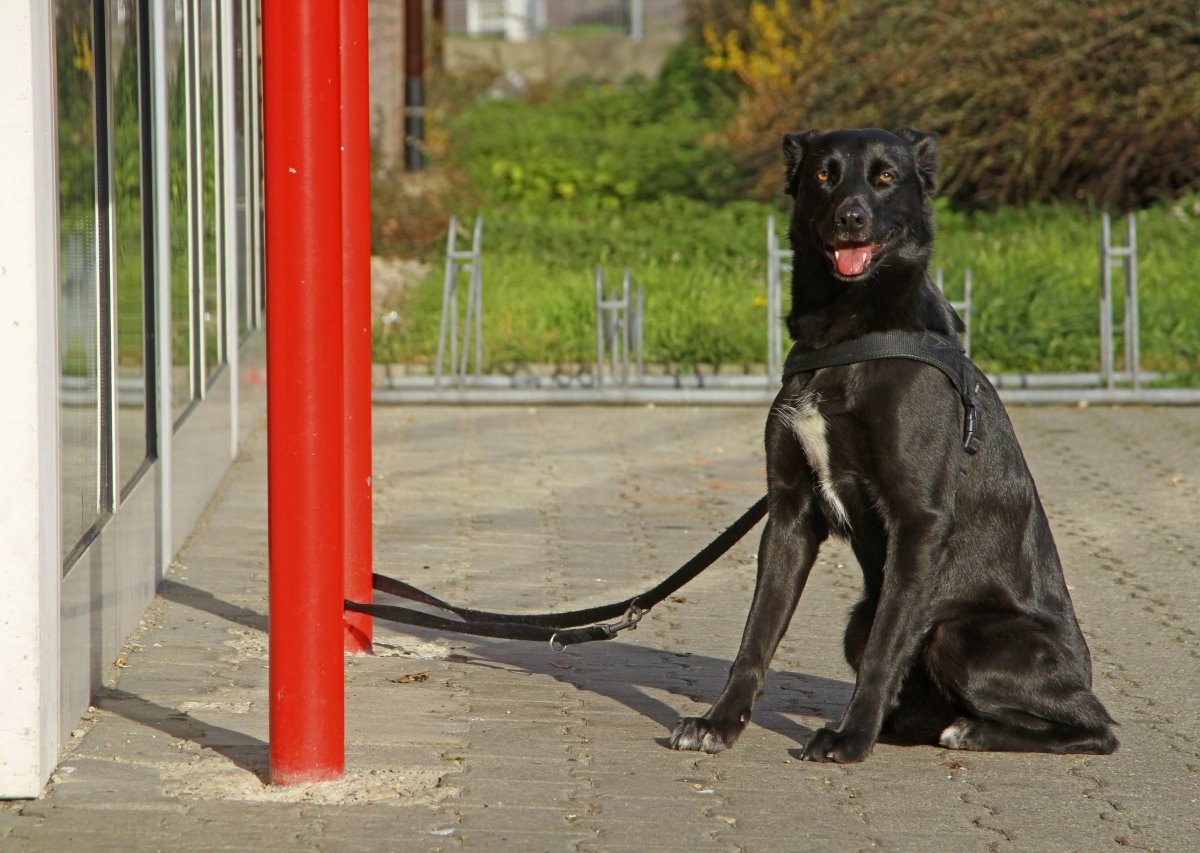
x=131, y=294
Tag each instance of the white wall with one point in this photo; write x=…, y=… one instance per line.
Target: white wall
x=29, y=521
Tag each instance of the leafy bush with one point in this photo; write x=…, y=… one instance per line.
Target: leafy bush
x=597, y=147
x=1035, y=100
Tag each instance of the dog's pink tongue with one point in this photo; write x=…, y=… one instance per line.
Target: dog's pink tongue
x=852, y=260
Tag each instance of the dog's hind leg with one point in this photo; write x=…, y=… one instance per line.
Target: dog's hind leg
x=1023, y=687
x=991, y=736
x=786, y=554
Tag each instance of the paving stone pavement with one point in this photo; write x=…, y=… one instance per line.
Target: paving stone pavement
x=505, y=745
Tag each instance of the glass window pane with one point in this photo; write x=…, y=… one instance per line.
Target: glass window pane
x=132, y=436
x=78, y=308
x=239, y=166
x=210, y=295
x=177, y=165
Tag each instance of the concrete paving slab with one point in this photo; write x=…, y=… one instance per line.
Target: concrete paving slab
x=509, y=746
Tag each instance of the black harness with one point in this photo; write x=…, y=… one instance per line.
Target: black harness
x=582, y=626
x=940, y=351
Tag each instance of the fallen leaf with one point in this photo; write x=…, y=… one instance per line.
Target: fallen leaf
x=411, y=677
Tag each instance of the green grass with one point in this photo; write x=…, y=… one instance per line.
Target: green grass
x=1037, y=270
x=698, y=264
x=626, y=176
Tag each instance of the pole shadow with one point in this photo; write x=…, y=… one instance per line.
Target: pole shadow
x=199, y=599
x=247, y=752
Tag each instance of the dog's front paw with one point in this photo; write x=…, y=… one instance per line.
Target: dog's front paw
x=842, y=747
x=705, y=735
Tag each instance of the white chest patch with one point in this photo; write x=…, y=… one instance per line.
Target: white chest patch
x=808, y=425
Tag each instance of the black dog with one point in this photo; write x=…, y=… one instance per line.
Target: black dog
x=965, y=634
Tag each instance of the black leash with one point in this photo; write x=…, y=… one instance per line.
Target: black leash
x=585, y=626
x=939, y=351
x=560, y=629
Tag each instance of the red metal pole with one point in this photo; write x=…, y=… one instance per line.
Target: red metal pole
x=305, y=459
x=356, y=283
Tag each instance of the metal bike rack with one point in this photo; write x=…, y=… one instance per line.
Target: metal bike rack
x=1124, y=257
x=963, y=306
x=620, y=377
x=619, y=331
x=779, y=261
x=458, y=261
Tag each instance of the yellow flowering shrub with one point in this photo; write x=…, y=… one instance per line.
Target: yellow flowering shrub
x=779, y=53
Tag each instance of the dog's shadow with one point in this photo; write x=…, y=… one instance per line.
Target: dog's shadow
x=634, y=676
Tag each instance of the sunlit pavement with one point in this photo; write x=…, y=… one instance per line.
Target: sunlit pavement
x=505, y=745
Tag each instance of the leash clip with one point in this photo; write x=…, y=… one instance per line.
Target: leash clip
x=970, y=421
x=628, y=621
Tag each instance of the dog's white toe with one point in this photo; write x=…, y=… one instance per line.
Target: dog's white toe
x=955, y=735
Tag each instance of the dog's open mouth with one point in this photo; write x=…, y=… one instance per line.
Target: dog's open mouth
x=852, y=260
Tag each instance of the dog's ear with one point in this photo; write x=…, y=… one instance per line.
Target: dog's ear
x=925, y=150
x=794, y=145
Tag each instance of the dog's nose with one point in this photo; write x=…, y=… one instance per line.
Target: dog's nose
x=851, y=215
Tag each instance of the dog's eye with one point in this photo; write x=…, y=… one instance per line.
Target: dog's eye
x=822, y=176
x=887, y=176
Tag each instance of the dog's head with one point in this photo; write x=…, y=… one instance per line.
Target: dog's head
x=863, y=198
